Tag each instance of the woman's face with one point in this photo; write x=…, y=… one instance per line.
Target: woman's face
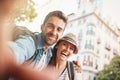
x=64, y=50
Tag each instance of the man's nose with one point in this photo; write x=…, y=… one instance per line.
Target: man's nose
x=54, y=31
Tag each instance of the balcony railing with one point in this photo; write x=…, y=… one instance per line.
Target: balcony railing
x=108, y=47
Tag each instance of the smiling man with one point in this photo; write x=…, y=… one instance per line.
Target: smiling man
x=52, y=29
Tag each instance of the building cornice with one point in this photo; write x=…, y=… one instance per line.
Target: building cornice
x=100, y=19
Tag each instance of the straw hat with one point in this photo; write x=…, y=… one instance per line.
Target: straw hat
x=71, y=38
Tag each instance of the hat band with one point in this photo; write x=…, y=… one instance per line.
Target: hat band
x=71, y=40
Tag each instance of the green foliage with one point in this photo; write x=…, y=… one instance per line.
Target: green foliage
x=111, y=71
x=29, y=13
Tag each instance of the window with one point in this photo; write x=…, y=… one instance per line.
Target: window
x=105, y=55
x=96, y=65
x=80, y=35
x=98, y=3
x=79, y=22
x=90, y=27
x=115, y=51
x=89, y=77
x=91, y=62
x=83, y=12
x=98, y=41
x=89, y=45
x=94, y=78
x=78, y=1
x=71, y=25
x=98, y=51
x=87, y=61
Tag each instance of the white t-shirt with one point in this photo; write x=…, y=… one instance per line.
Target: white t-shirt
x=64, y=75
x=42, y=63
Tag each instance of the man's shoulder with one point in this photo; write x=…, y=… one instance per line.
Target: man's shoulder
x=39, y=41
x=50, y=51
x=25, y=38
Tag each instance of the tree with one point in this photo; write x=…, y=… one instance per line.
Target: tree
x=111, y=71
x=28, y=13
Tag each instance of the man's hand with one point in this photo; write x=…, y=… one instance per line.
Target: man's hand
x=77, y=66
x=24, y=73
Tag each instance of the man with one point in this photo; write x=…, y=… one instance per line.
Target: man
x=52, y=29
x=24, y=47
x=8, y=11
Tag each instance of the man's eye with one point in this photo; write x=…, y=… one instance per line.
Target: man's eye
x=60, y=30
x=49, y=26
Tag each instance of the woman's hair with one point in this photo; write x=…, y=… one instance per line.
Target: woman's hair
x=54, y=54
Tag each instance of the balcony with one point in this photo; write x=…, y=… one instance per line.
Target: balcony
x=107, y=47
x=98, y=41
x=115, y=51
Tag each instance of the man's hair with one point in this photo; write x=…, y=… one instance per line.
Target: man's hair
x=56, y=13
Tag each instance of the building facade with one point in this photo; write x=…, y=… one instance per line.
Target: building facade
x=98, y=40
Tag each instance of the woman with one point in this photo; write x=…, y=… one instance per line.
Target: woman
x=63, y=49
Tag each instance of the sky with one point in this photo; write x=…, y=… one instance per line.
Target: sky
x=110, y=10
x=43, y=9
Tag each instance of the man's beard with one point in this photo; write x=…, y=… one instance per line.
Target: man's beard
x=47, y=41
x=50, y=42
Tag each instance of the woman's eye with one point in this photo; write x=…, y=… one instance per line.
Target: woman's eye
x=72, y=48
x=64, y=44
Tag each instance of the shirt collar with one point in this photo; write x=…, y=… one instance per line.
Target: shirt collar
x=41, y=45
x=40, y=41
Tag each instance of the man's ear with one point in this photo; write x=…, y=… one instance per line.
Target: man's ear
x=56, y=46
x=42, y=27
